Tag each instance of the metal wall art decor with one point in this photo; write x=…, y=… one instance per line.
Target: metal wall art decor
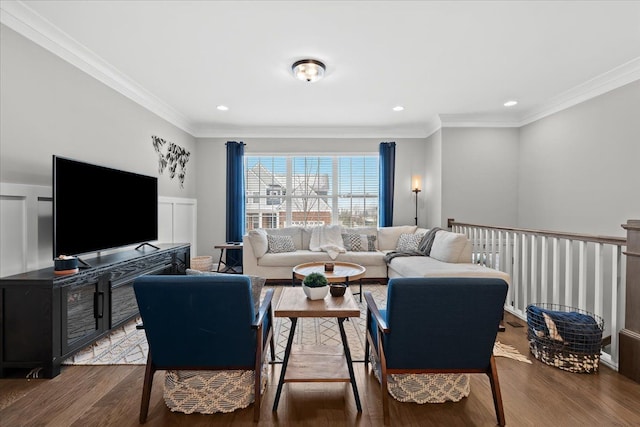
x=173, y=157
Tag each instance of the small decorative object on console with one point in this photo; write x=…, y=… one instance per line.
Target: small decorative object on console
x=315, y=286
x=65, y=265
x=328, y=266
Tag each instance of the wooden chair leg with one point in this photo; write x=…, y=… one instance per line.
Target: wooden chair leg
x=495, y=389
x=366, y=353
x=149, y=371
x=257, y=394
x=383, y=382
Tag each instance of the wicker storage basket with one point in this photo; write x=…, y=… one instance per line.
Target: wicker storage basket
x=567, y=338
x=202, y=263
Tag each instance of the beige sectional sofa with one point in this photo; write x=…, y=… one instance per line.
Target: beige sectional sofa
x=450, y=253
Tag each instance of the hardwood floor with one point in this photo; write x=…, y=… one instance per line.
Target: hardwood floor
x=533, y=395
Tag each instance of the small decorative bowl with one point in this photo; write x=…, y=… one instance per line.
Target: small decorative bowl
x=337, y=290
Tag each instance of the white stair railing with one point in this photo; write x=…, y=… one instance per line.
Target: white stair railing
x=576, y=270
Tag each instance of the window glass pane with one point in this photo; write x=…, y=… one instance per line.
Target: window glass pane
x=311, y=190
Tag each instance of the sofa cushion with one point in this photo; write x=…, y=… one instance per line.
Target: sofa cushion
x=257, y=283
x=291, y=259
x=363, y=258
x=388, y=236
x=449, y=247
x=409, y=242
x=359, y=242
x=259, y=243
x=278, y=244
x=294, y=231
x=369, y=231
x=422, y=266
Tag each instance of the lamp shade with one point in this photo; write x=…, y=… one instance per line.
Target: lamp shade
x=308, y=70
x=416, y=183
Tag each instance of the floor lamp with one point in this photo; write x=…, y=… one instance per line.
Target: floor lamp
x=416, y=189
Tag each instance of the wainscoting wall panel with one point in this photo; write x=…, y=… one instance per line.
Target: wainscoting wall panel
x=26, y=226
x=24, y=210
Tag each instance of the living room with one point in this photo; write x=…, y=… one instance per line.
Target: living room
x=564, y=161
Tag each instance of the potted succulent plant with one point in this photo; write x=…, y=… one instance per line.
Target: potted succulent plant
x=315, y=286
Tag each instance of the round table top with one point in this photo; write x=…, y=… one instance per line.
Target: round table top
x=342, y=271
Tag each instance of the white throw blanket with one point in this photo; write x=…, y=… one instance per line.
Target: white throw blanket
x=328, y=239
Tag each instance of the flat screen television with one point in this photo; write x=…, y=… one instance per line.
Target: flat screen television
x=97, y=208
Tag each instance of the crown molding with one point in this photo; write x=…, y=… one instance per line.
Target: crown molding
x=477, y=120
x=606, y=82
x=225, y=131
x=25, y=21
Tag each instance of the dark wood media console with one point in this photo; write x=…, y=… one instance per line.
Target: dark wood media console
x=45, y=318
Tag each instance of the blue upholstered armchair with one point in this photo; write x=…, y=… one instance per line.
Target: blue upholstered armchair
x=203, y=323
x=437, y=325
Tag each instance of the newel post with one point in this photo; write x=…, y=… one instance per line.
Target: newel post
x=629, y=356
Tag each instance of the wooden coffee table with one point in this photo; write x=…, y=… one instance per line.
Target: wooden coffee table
x=343, y=272
x=312, y=363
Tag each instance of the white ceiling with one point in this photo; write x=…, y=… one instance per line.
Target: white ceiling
x=454, y=62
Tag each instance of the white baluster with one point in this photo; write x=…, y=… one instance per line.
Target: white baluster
x=582, y=275
x=544, y=269
x=598, y=304
x=508, y=267
x=555, y=244
x=534, y=269
x=568, y=273
x=516, y=271
x=525, y=273
x=616, y=275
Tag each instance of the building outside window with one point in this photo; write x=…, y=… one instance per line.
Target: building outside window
x=283, y=190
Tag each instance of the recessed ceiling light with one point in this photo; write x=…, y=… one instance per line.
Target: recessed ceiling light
x=510, y=103
x=398, y=108
x=222, y=107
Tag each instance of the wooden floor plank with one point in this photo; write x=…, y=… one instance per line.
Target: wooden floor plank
x=533, y=394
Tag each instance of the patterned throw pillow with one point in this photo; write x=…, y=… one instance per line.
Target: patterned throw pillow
x=278, y=244
x=359, y=242
x=409, y=242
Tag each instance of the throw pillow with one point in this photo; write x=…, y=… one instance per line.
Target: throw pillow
x=278, y=244
x=359, y=242
x=257, y=283
x=258, y=239
x=409, y=242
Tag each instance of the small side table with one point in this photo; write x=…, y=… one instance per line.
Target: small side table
x=234, y=266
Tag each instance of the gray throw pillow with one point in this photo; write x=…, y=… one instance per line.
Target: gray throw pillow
x=278, y=244
x=359, y=242
x=409, y=242
x=257, y=283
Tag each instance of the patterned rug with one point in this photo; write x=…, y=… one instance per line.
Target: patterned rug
x=128, y=345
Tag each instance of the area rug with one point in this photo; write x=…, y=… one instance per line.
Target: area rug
x=128, y=345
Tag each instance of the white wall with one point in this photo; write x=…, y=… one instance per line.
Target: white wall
x=50, y=107
x=480, y=175
x=579, y=169
x=432, y=192
x=211, y=175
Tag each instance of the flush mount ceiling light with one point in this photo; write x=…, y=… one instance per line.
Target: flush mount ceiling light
x=308, y=70
x=222, y=108
x=510, y=103
x=398, y=108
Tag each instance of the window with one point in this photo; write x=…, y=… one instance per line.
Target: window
x=311, y=190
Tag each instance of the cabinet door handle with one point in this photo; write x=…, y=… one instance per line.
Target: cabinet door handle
x=98, y=305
